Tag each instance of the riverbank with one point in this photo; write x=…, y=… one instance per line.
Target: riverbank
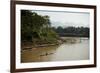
x=61, y=40
x=63, y=52
x=30, y=45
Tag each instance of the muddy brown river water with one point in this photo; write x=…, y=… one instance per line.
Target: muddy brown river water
x=77, y=49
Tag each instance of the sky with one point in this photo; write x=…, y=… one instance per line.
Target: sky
x=65, y=19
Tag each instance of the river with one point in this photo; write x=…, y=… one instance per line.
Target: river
x=76, y=48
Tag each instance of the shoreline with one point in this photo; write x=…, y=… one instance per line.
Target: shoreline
x=38, y=46
x=30, y=45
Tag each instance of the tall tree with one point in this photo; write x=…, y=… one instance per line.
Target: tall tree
x=35, y=26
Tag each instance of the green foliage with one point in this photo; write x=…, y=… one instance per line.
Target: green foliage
x=72, y=31
x=36, y=27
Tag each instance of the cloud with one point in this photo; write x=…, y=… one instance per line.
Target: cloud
x=67, y=24
x=67, y=18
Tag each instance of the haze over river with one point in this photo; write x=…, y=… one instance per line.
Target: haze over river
x=76, y=48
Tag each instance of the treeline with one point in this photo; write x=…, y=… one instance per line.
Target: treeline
x=72, y=31
x=36, y=28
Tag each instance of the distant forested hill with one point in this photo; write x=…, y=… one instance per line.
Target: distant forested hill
x=72, y=31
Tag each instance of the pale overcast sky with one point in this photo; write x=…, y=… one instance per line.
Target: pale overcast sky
x=66, y=19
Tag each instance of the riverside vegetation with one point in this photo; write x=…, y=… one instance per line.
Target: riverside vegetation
x=36, y=31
